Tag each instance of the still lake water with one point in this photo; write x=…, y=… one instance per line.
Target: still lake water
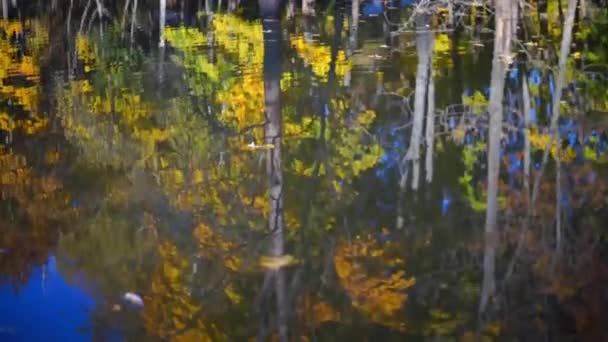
x=255, y=178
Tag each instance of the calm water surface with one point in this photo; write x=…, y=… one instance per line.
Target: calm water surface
x=259, y=178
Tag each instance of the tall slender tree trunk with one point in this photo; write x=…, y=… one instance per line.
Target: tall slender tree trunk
x=526, y=177
x=308, y=7
x=5, y=9
x=559, y=86
x=161, y=22
x=133, y=21
x=505, y=27
x=68, y=23
x=354, y=25
x=527, y=156
x=291, y=9
x=424, y=47
x=125, y=14
x=123, y=21
x=84, y=16
x=451, y=20
x=430, y=126
x=555, y=113
x=272, y=136
x=100, y=15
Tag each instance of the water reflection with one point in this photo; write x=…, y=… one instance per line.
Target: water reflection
x=258, y=174
x=61, y=310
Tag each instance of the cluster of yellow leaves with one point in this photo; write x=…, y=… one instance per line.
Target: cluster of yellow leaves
x=6, y=122
x=212, y=246
x=352, y=149
x=183, y=37
x=359, y=265
x=120, y=111
x=351, y=145
x=11, y=26
x=242, y=38
x=477, y=102
x=169, y=312
x=41, y=198
x=85, y=51
x=243, y=98
x=188, y=39
x=319, y=57
x=13, y=64
x=244, y=102
x=13, y=169
x=442, y=43
x=324, y=313
x=10, y=65
x=315, y=311
x=541, y=141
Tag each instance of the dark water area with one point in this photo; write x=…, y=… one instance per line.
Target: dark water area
x=278, y=171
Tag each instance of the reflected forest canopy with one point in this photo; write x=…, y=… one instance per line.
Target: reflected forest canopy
x=223, y=170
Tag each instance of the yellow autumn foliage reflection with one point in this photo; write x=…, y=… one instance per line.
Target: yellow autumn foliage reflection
x=360, y=265
x=319, y=57
x=541, y=141
x=313, y=312
x=169, y=311
x=212, y=246
x=20, y=75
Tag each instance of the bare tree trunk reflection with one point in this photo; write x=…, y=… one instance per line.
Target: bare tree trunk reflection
x=527, y=157
x=424, y=92
x=430, y=127
x=354, y=25
x=352, y=38
x=5, y=9
x=526, y=178
x=100, y=15
x=231, y=6
x=69, y=21
x=272, y=136
x=123, y=20
x=451, y=20
x=133, y=21
x=161, y=23
x=505, y=24
x=558, y=196
x=559, y=86
x=291, y=9
x=84, y=16
x=424, y=47
x=308, y=7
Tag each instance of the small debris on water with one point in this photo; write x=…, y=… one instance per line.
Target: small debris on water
x=252, y=146
x=277, y=262
x=133, y=299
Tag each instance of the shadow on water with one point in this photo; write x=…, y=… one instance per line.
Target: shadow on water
x=303, y=170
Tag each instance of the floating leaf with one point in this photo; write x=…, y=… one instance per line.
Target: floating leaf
x=275, y=263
